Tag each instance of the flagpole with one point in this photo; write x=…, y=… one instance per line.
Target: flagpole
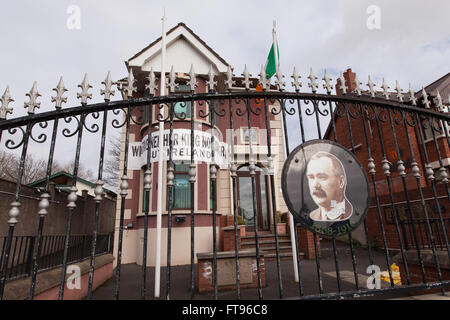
x=160, y=163
x=291, y=219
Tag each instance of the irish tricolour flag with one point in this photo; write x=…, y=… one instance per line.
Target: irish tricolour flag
x=270, y=63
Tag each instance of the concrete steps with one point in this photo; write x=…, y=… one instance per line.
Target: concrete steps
x=267, y=244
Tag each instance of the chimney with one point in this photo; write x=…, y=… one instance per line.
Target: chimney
x=349, y=77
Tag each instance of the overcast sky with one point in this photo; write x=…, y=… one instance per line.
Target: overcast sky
x=411, y=45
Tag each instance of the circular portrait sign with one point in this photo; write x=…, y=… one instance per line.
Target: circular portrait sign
x=325, y=187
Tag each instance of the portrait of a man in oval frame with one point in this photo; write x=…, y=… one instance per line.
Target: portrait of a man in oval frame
x=325, y=187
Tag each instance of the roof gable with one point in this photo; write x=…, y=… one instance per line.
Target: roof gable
x=441, y=85
x=183, y=48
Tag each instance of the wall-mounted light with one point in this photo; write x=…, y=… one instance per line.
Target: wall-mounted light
x=180, y=219
x=129, y=225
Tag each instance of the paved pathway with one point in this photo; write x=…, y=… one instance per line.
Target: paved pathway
x=131, y=279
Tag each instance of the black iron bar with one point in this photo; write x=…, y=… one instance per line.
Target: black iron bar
x=316, y=253
x=316, y=112
x=12, y=222
x=6, y=260
x=67, y=112
x=252, y=168
x=350, y=238
x=2, y=252
x=336, y=263
x=272, y=192
x=438, y=234
x=147, y=187
x=36, y=257
x=391, y=195
x=439, y=211
x=170, y=182
x=300, y=119
x=235, y=206
x=123, y=194
x=71, y=208
x=316, y=248
x=430, y=177
x=403, y=177
x=54, y=249
x=332, y=120
x=18, y=257
x=26, y=255
x=374, y=293
x=192, y=178
x=42, y=217
x=213, y=177
x=13, y=257
x=364, y=118
x=44, y=251
x=97, y=204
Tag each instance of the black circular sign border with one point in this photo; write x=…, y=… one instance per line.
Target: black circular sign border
x=336, y=224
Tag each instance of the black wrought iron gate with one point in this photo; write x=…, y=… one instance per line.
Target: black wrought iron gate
x=408, y=212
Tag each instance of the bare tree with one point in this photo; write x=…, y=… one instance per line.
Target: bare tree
x=33, y=168
x=112, y=163
x=82, y=172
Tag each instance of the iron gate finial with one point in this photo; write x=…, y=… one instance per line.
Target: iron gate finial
x=172, y=85
x=412, y=97
x=84, y=95
x=357, y=84
x=33, y=95
x=371, y=86
x=312, y=78
x=210, y=82
x=327, y=84
x=108, y=85
x=342, y=85
x=385, y=87
x=399, y=91
x=130, y=87
x=5, y=99
x=192, y=82
x=279, y=82
x=151, y=86
x=229, y=82
x=296, y=83
x=439, y=104
x=425, y=99
x=247, y=76
x=263, y=81
x=60, y=89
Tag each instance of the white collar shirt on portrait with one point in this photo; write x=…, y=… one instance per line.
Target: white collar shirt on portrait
x=337, y=210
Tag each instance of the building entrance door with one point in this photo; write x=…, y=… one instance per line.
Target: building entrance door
x=249, y=198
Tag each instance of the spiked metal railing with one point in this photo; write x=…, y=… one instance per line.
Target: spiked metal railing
x=399, y=112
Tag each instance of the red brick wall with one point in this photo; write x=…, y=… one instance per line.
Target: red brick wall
x=205, y=281
x=306, y=243
x=356, y=127
x=229, y=240
x=392, y=239
x=431, y=275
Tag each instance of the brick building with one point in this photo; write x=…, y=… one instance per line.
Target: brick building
x=185, y=48
x=398, y=143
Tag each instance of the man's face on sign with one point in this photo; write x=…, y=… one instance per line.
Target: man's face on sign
x=325, y=185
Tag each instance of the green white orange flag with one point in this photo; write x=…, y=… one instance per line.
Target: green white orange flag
x=270, y=63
